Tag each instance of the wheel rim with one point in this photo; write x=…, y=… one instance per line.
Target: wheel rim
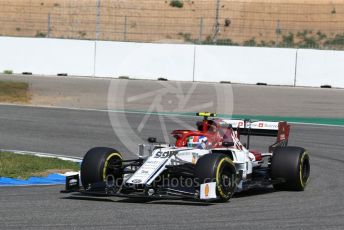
x=227, y=180
x=110, y=174
x=305, y=171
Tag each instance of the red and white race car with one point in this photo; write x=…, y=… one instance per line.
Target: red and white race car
x=209, y=163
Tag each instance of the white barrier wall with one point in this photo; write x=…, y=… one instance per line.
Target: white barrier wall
x=245, y=64
x=47, y=56
x=145, y=61
x=320, y=67
x=179, y=62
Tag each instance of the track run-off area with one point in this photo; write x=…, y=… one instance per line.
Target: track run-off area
x=72, y=131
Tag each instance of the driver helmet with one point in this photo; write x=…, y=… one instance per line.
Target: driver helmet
x=199, y=142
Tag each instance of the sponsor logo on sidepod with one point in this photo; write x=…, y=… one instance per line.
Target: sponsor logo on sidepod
x=136, y=181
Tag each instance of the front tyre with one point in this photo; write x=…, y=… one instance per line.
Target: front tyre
x=99, y=164
x=292, y=166
x=219, y=168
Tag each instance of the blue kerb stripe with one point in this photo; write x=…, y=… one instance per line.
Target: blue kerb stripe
x=50, y=179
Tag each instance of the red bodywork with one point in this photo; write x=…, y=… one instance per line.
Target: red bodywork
x=217, y=134
x=210, y=129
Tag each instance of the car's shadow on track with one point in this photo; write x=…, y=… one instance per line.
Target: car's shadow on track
x=169, y=202
x=98, y=199
x=140, y=201
x=253, y=192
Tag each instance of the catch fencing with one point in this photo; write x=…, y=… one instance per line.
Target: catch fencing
x=267, y=23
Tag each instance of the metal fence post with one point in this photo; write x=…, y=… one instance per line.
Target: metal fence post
x=98, y=20
x=217, y=23
x=114, y=27
x=97, y=37
x=200, y=31
x=49, y=26
x=125, y=28
x=278, y=32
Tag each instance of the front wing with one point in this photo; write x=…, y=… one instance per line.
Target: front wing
x=72, y=187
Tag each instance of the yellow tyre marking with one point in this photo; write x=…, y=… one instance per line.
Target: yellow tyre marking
x=219, y=188
x=304, y=154
x=107, y=162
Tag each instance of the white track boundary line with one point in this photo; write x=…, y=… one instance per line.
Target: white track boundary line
x=39, y=154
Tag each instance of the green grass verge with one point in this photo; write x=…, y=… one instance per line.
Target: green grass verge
x=24, y=166
x=7, y=71
x=11, y=91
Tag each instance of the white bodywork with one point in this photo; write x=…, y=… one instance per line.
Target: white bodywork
x=160, y=158
x=243, y=159
x=263, y=125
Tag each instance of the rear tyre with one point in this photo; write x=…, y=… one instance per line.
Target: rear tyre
x=95, y=170
x=217, y=168
x=292, y=166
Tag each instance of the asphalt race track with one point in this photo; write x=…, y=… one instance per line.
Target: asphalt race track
x=72, y=132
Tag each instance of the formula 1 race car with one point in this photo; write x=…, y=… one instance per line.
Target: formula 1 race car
x=209, y=163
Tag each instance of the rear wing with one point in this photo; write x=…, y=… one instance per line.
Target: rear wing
x=279, y=129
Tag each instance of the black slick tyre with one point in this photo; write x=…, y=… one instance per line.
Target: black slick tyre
x=291, y=165
x=219, y=168
x=94, y=167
